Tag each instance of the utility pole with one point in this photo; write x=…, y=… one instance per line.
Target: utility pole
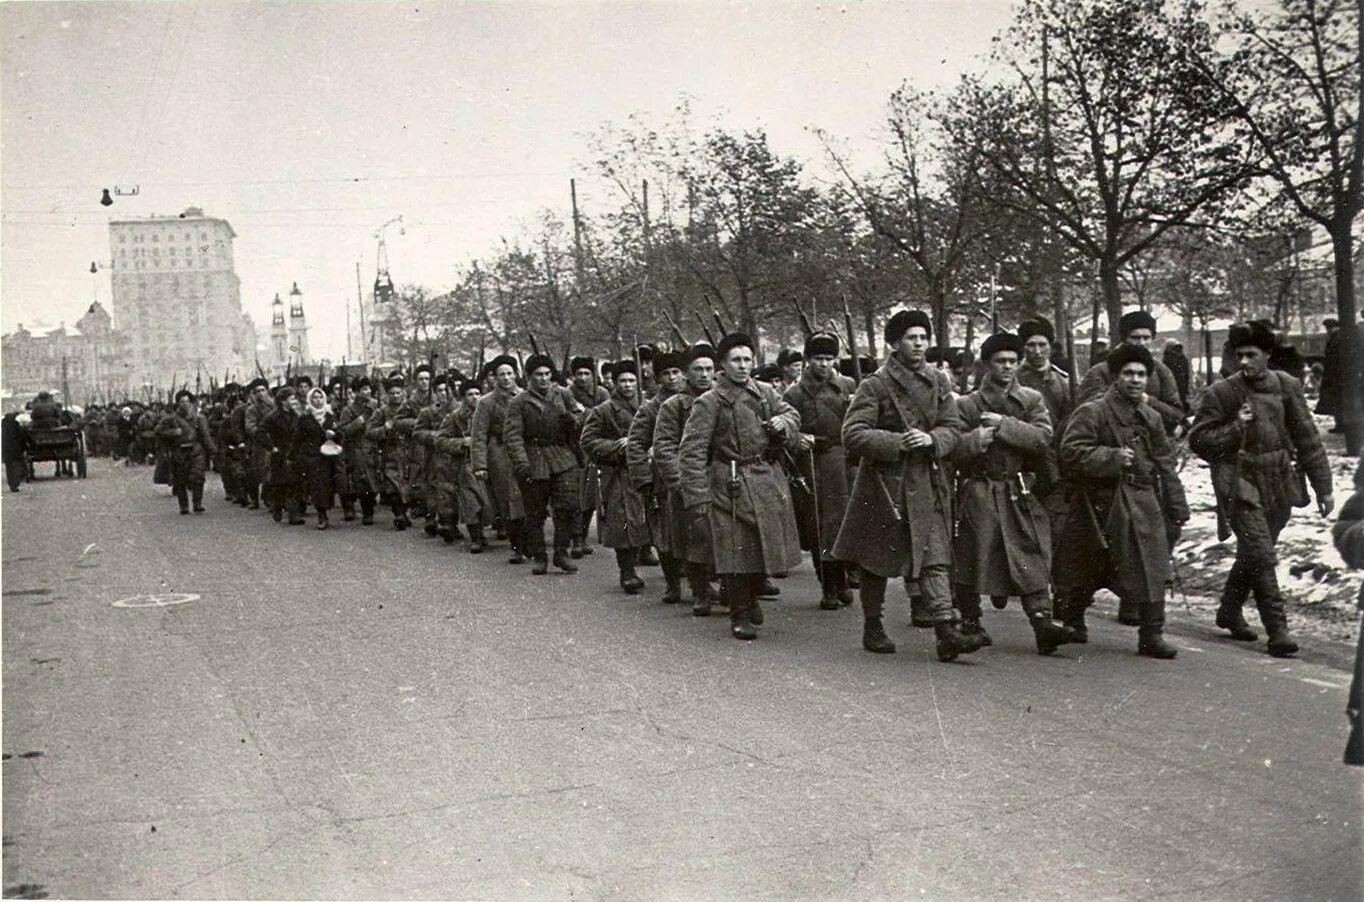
x=579, y=271
x=360, y=300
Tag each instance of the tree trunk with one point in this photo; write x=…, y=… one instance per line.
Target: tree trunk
x=1351, y=402
x=937, y=300
x=1111, y=287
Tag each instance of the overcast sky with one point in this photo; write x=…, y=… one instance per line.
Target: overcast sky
x=466, y=119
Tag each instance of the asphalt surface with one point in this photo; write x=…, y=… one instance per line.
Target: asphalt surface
x=365, y=714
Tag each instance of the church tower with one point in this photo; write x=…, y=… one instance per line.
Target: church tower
x=279, y=335
x=298, y=327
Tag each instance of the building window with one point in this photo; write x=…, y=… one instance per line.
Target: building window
x=156, y=239
x=122, y=239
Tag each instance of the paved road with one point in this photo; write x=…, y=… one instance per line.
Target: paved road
x=361, y=714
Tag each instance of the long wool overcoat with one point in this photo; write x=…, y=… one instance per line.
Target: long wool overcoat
x=822, y=404
x=624, y=519
x=1003, y=544
x=488, y=453
x=899, y=517
x=1127, y=503
x=747, y=505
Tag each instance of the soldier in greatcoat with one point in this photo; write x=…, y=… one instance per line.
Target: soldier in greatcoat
x=420, y=396
x=389, y=434
x=641, y=456
x=1036, y=371
x=1256, y=432
x=1003, y=545
x=541, y=434
x=488, y=452
x=353, y=422
x=461, y=497
x=589, y=394
x=902, y=423
x=286, y=476
x=605, y=436
x=424, y=431
x=259, y=405
x=1124, y=486
x=821, y=395
x=730, y=480
x=184, y=433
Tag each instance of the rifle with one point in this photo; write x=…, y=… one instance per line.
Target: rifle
x=260, y=372
x=1094, y=519
x=719, y=322
x=852, y=341
x=704, y=328
x=804, y=320
x=677, y=333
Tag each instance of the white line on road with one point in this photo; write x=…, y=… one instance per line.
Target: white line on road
x=1326, y=683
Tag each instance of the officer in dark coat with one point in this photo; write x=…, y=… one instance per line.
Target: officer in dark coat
x=1124, y=487
x=729, y=479
x=285, y=476
x=424, y=431
x=1255, y=431
x=13, y=437
x=589, y=394
x=1332, y=381
x=1003, y=544
x=902, y=423
x=541, y=434
x=821, y=395
x=605, y=437
x=184, y=433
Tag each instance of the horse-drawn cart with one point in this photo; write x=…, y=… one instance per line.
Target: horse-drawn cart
x=58, y=444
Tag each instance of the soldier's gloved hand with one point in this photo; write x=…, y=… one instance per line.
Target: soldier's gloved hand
x=1326, y=504
x=991, y=419
x=1246, y=414
x=1128, y=457
x=481, y=474
x=807, y=441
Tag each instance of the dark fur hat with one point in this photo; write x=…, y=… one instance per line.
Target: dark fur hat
x=1124, y=354
x=1000, y=341
x=1136, y=319
x=901, y=322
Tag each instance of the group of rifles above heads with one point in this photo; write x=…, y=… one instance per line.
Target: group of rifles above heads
x=1025, y=486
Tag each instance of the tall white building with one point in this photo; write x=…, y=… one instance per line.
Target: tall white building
x=178, y=298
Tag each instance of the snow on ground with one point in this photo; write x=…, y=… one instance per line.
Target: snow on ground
x=1320, y=591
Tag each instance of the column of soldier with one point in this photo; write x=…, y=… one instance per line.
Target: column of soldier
x=730, y=471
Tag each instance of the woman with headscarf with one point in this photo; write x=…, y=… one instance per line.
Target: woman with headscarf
x=317, y=452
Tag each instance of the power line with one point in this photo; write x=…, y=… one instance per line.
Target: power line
x=335, y=180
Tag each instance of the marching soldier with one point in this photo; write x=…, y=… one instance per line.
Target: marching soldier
x=1138, y=328
x=286, y=478
x=730, y=482
x=901, y=423
x=605, y=436
x=821, y=395
x=488, y=453
x=642, y=459
x=419, y=397
x=424, y=431
x=353, y=422
x=1003, y=545
x=1040, y=374
x=589, y=394
x=235, y=450
x=258, y=406
x=791, y=363
x=541, y=434
x=1124, y=487
x=184, y=433
x=686, y=538
x=1256, y=432
x=462, y=497
x=389, y=434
